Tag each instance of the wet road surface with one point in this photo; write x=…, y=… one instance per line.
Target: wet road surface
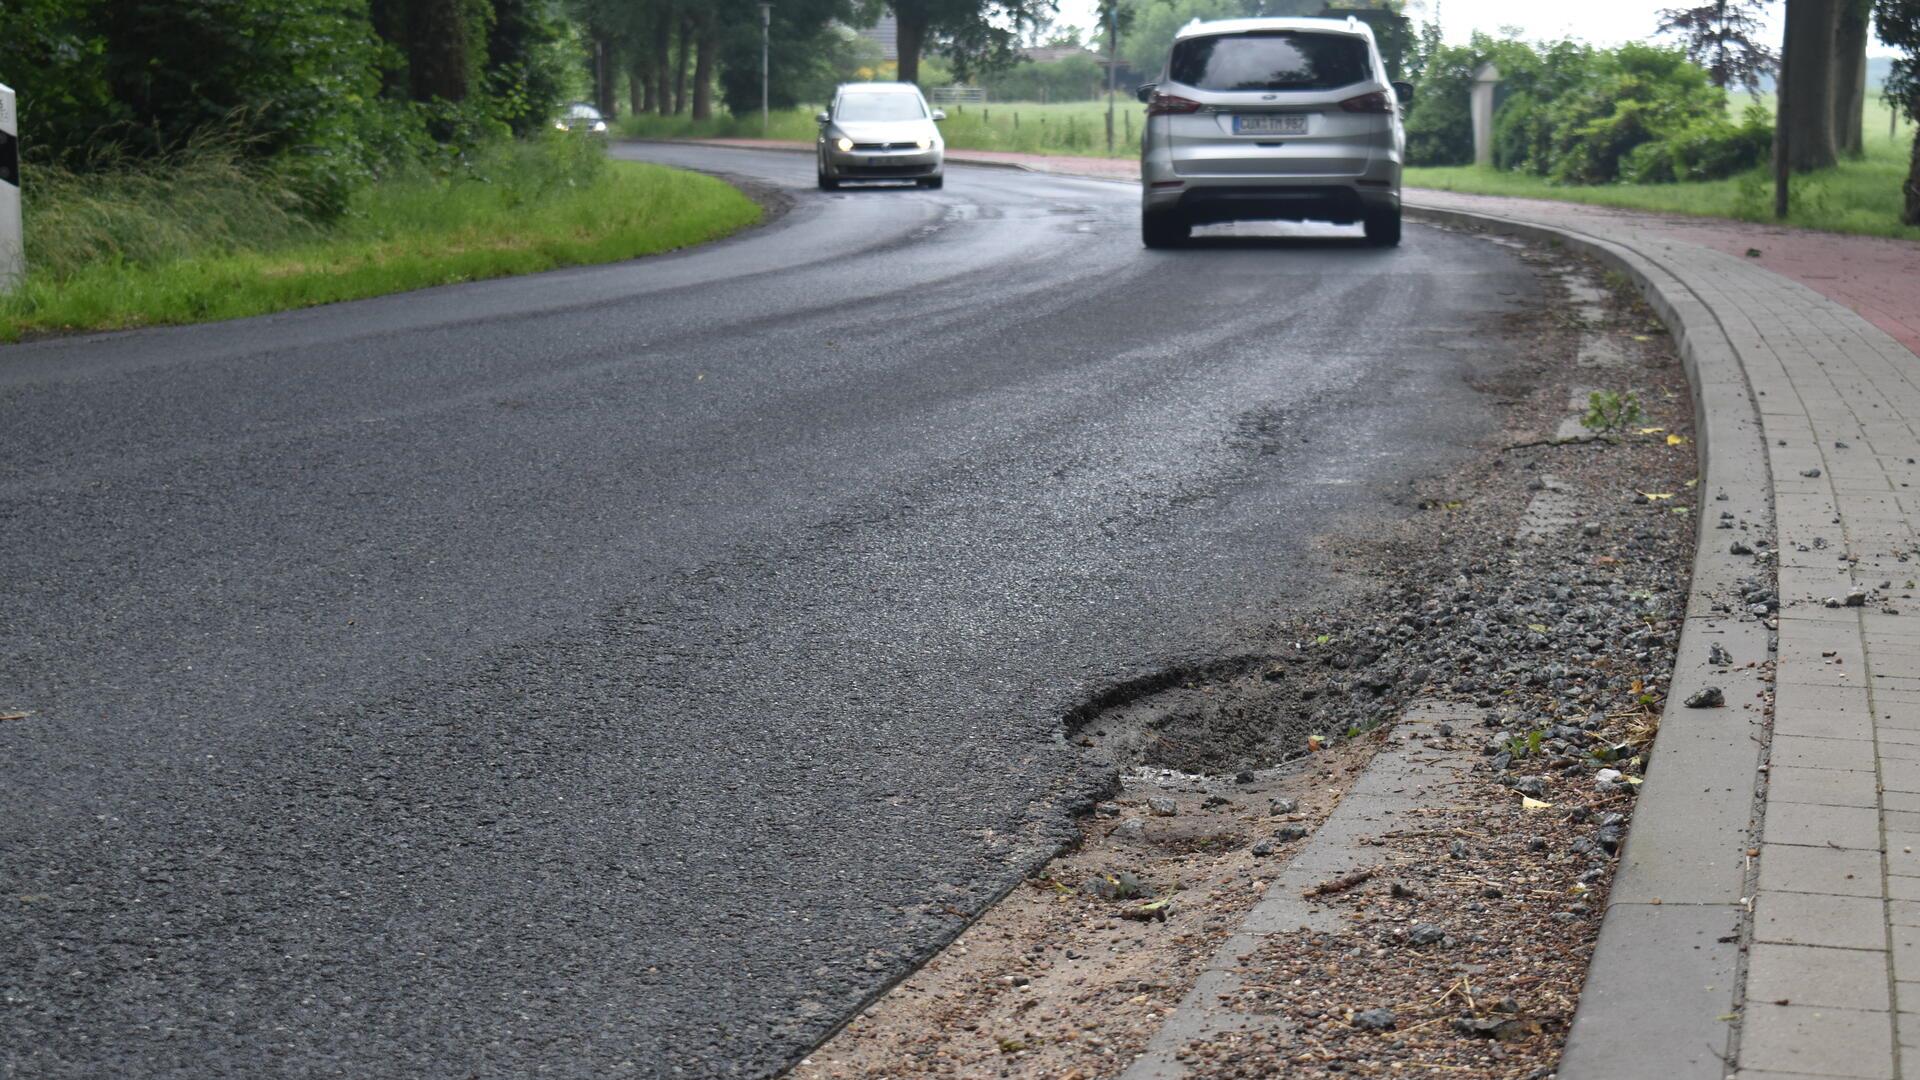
x=629, y=670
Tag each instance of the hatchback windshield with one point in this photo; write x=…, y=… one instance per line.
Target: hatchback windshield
x=871, y=108
x=1277, y=61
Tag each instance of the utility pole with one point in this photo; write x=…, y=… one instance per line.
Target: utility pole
x=1113, y=63
x=766, y=35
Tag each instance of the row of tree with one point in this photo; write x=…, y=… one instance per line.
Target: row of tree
x=333, y=92
x=1822, y=85
x=672, y=54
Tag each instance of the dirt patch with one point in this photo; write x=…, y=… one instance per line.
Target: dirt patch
x=1058, y=980
x=1543, y=586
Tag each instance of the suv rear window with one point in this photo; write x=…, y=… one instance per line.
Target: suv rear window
x=1284, y=60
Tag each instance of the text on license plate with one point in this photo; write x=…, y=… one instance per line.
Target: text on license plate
x=1270, y=125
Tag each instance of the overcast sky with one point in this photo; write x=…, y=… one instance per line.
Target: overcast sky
x=1603, y=22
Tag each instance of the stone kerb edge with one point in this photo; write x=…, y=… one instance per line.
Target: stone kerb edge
x=1667, y=973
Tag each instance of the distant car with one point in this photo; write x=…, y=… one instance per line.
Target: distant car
x=1272, y=120
x=582, y=120
x=880, y=131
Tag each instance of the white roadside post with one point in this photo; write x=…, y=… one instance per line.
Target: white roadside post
x=13, y=256
x=1481, y=107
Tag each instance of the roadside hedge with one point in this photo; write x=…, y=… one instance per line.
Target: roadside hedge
x=1574, y=114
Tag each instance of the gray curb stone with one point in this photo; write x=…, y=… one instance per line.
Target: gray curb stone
x=1667, y=971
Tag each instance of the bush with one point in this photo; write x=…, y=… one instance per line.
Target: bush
x=1072, y=78
x=1579, y=115
x=1439, y=126
x=1706, y=150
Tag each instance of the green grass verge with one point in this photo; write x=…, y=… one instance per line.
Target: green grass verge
x=208, y=240
x=1073, y=129
x=1861, y=197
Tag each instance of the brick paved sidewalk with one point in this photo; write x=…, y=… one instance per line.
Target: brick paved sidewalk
x=1829, y=984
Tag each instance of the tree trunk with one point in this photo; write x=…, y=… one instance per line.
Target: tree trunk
x=636, y=93
x=708, y=41
x=1912, y=215
x=1806, y=95
x=912, y=26
x=437, y=49
x=663, y=60
x=1851, y=33
x=389, y=19
x=604, y=77
x=680, y=60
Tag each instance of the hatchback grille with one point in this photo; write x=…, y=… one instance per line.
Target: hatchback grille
x=886, y=146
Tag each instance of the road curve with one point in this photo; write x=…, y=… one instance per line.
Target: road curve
x=628, y=670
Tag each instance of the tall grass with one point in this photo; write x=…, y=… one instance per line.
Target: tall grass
x=206, y=200
x=211, y=238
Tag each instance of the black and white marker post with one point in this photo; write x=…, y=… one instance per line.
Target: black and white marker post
x=13, y=257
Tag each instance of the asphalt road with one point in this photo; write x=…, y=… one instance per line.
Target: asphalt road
x=627, y=671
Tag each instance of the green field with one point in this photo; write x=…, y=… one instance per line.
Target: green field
x=1856, y=197
x=1076, y=128
x=204, y=238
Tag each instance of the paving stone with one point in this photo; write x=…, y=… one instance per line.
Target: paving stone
x=1832, y=787
x=1810, y=825
x=1662, y=983
x=1803, y=975
x=1819, y=870
x=1847, y=922
x=1833, y=1041
x=1903, y=854
x=1906, y=951
x=1802, y=752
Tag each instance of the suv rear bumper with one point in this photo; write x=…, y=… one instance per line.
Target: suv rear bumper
x=1342, y=204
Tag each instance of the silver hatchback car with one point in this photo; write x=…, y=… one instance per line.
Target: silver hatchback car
x=880, y=131
x=1272, y=120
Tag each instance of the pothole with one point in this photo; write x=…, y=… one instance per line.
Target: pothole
x=1536, y=594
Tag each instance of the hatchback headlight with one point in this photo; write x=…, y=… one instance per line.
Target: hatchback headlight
x=845, y=144
x=559, y=125
x=923, y=143
x=599, y=125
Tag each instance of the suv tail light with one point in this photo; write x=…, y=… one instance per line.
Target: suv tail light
x=1167, y=104
x=1376, y=102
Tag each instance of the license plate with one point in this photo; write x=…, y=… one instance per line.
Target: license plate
x=1294, y=124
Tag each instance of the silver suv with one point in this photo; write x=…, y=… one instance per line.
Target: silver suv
x=1272, y=120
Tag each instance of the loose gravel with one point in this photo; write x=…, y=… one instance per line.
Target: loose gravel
x=1544, y=586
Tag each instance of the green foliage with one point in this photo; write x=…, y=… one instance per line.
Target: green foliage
x=209, y=236
x=311, y=91
x=1632, y=95
x=1579, y=115
x=529, y=63
x=1439, y=125
x=1704, y=150
x=1071, y=78
x=1612, y=412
